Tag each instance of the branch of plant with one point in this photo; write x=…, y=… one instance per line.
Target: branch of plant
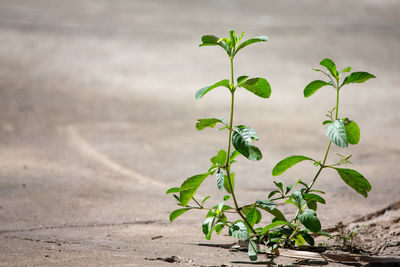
x=228, y=171
x=330, y=142
x=258, y=206
x=201, y=206
x=329, y=76
x=295, y=230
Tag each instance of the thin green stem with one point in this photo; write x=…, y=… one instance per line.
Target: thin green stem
x=313, y=181
x=329, y=76
x=295, y=230
x=337, y=102
x=228, y=169
x=201, y=206
x=326, y=153
x=330, y=142
x=232, y=80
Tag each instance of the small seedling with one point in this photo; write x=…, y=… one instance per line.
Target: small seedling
x=281, y=232
x=346, y=240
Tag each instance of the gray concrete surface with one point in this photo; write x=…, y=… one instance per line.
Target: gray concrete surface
x=97, y=116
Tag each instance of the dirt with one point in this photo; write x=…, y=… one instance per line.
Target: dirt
x=377, y=233
x=97, y=116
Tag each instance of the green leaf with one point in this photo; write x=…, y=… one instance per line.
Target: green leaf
x=220, y=158
x=173, y=190
x=233, y=38
x=220, y=180
x=240, y=37
x=312, y=200
x=272, y=193
x=352, y=132
x=318, y=191
x=252, y=251
x=279, y=185
x=241, y=79
x=348, y=69
x=324, y=233
x=266, y=204
x=212, y=212
x=234, y=154
x=226, y=41
x=289, y=188
x=218, y=227
x=270, y=207
x=209, y=40
x=200, y=93
x=239, y=230
x=330, y=65
x=299, y=240
x=226, y=183
x=211, y=122
x=313, y=197
x=313, y=86
x=176, y=213
x=288, y=162
x=307, y=237
x=326, y=122
x=273, y=225
x=298, y=199
x=190, y=186
x=220, y=207
x=358, y=77
x=212, y=169
x=249, y=134
x=249, y=151
x=207, y=226
x=337, y=133
x=205, y=199
x=302, y=183
x=258, y=86
x=251, y=41
x=355, y=180
x=309, y=219
x=312, y=205
x=252, y=216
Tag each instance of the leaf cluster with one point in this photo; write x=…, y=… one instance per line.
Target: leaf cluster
x=232, y=44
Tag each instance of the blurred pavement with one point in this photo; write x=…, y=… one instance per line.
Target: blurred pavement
x=97, y=116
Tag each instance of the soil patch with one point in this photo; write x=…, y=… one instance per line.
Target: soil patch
x=377, y=233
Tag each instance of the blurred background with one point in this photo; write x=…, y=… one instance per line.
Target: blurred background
x=97, y=108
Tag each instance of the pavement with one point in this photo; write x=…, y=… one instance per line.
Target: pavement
x=97, y=116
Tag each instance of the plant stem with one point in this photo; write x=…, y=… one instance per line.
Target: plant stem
x=337, y=101
x=315, y=178
x=232, y=80
x=326, y=153
x=330, y=142
x=201, y=206
x=228, y=171
x=295, y=230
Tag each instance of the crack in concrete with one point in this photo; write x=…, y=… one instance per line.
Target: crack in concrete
x=93, y=225
x=57, y=242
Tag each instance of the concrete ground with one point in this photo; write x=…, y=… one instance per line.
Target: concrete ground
x=97, y=117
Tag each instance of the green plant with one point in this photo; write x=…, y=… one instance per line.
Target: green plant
x=240, y=137
x=280, y=232
x=346, y=240
x=341, y=131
